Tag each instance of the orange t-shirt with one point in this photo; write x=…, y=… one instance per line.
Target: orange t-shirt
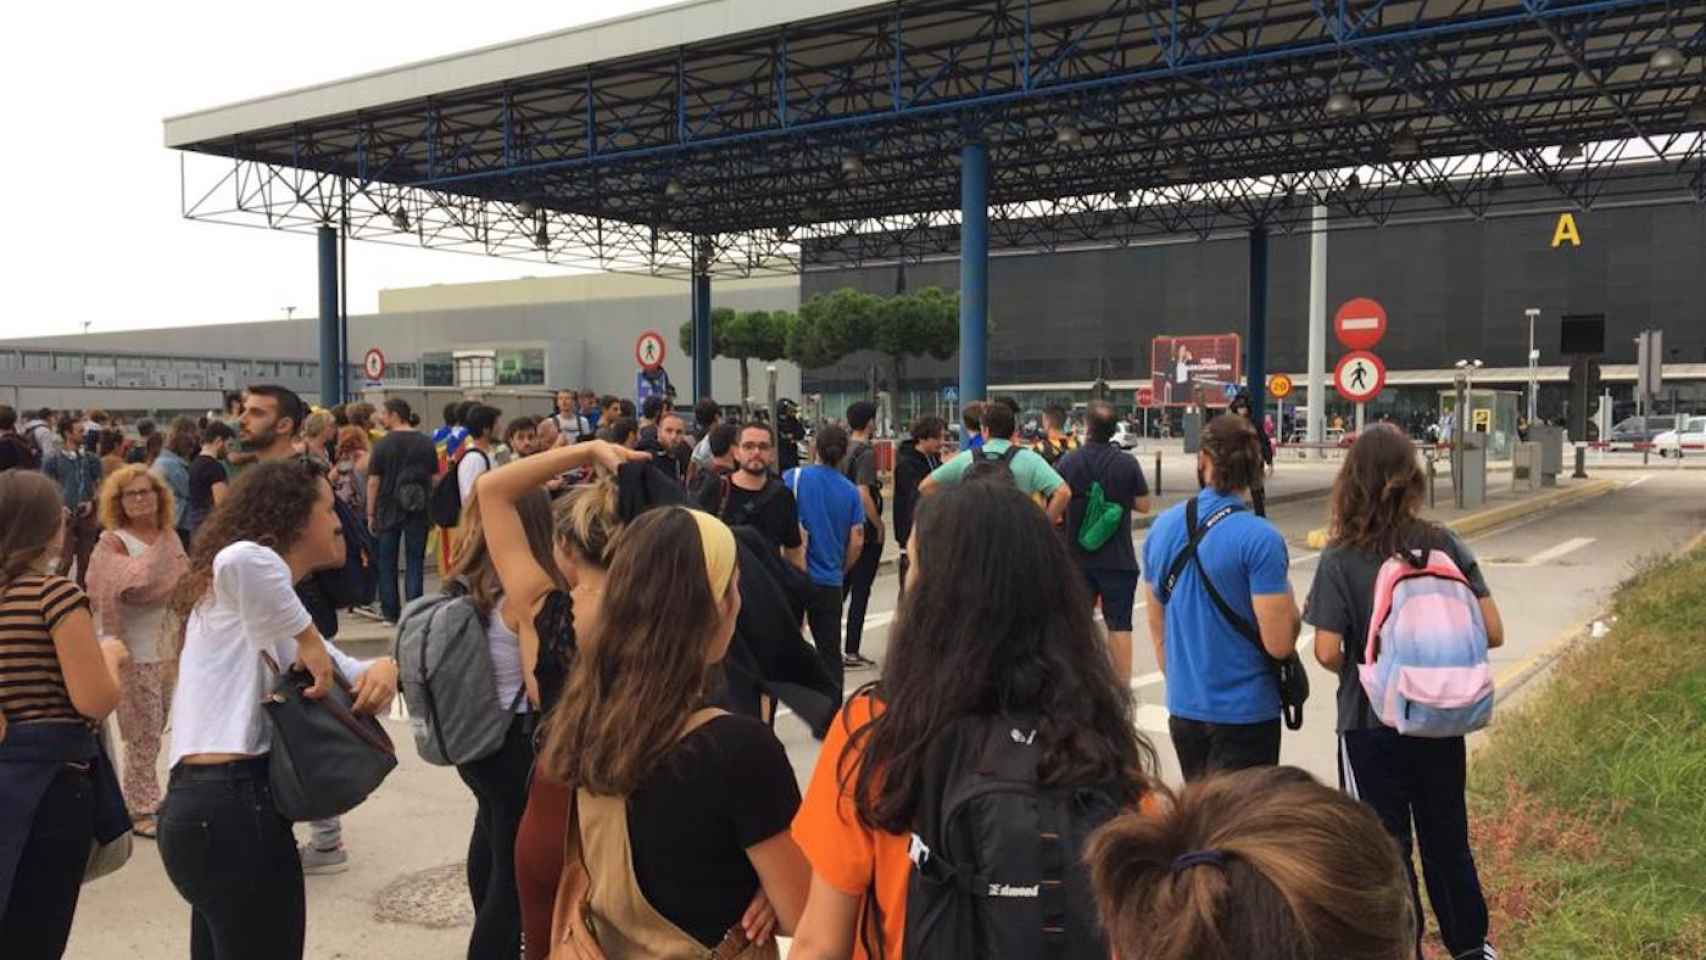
x=848, y=856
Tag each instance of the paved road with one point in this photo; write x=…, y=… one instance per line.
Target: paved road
x=402, y=897
x=1549, y=572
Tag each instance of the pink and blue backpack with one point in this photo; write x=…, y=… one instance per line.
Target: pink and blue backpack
x=1425, y=664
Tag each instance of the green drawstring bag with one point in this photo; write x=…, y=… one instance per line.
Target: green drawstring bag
x=1101, y=520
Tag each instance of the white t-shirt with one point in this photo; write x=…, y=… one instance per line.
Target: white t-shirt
x=474, y=463
x=572, y=426
x=251, y=607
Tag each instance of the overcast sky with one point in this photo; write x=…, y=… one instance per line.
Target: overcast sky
x=95, y=231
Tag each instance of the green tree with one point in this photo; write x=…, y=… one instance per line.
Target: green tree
x=916, y=324
x=746, y=335
x=833, y=325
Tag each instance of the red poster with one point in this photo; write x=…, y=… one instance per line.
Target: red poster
x=1202, y=370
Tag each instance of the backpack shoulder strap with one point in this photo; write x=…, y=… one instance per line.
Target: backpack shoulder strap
x=1010, y=454
x=1190, y=555
x=772, y=489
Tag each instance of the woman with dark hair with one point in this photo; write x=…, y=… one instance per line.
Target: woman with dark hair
x=682, y=810
x=1377, y=514
x=978, y=634
x=223, y=844
x=54, y=678
x=183, y=441
x=499, y=781
x=1263, y=864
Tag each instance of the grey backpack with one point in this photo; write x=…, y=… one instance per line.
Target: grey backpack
x=445, y=671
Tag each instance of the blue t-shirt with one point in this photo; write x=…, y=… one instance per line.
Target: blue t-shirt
x=829, y=509
x=1214, y=674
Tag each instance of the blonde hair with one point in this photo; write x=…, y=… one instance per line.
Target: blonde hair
x=587, y=521
x=472, y=563
x=316, y=423
x=111, y=509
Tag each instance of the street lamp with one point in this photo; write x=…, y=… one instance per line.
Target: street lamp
x=1533, y=364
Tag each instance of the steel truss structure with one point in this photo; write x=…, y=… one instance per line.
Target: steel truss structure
x=837, y=141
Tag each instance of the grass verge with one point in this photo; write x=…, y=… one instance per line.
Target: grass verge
x=1588, y=803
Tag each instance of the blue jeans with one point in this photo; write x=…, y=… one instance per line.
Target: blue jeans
x=409, y=533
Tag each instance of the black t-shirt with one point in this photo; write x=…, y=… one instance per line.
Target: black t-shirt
x=860, y=466
x=1122, y=482
x=725, y=787
x=778, y=519
x=1341, y=601
x=205, y=471
x=402, y=458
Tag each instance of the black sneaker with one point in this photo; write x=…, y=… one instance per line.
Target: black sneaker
x=854, y=661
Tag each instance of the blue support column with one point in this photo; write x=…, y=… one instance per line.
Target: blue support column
x=974, y=272
x=702, y=335
x=1256, y=335
x=331, y=366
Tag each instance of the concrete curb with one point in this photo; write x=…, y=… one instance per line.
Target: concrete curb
x=1498, y=516
x=1509, y=681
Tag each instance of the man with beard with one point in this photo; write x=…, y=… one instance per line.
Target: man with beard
x=752, y=497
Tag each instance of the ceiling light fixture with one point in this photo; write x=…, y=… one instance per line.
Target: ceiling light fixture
x=1354, y=184
x=853, y=165
x=1666, y=59
x=526, y=208
x=673, y=188
x=1340, y=103
x=1067, y=135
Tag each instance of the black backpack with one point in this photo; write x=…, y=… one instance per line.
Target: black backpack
x=998, y=868
x=445, y=509
x=987, y=466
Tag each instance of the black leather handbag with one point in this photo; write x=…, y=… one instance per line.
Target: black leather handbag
x=326, y=758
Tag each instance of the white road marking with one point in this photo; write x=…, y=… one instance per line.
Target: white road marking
x=1554, y=552
x=1138, y=683
x=1638, y=481
x=1152, y=717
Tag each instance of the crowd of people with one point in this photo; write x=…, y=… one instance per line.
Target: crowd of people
x=632, y=588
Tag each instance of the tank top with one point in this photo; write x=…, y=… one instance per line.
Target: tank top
x=506, y=661
x=142, y=625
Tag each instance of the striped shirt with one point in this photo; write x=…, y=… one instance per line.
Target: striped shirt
x=32, y=686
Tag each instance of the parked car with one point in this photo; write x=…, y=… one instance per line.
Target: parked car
x=1124, y=436
x=1642, y=429
x=1691, y=436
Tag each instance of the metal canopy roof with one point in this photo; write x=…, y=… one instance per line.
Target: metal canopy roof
x=835, y=139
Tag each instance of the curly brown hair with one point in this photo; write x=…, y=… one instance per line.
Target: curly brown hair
x=269, y=504
x=1377, y=497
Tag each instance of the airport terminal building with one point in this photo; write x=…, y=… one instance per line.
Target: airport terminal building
x=1454, y=289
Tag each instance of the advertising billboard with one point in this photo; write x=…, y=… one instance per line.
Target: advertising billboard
x=1206, y=370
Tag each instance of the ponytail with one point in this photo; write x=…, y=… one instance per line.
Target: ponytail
x=1263, y=864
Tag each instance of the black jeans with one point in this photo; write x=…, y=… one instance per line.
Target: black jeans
x=1206, y=748
x=857, y=588
x=823, y=614
x=404, y=543
x=499, y=783
x=1421, y=780
x=234, y=859
x=50, y=870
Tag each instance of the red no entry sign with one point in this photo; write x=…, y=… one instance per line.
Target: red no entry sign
x=1146, y=397
x=649, y=350
x=1360, y=376
x=373, y=364
x=1360, y=323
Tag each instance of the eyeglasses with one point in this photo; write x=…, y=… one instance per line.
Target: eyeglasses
x=755, y=446
x=138, y=494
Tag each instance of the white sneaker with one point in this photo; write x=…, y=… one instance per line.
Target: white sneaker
x=317, y=862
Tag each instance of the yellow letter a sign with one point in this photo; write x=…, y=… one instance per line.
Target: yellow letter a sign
x=1566, y=231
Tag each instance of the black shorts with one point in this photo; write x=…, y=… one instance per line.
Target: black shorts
x=1118, y=590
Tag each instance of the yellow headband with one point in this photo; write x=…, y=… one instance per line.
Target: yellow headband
x=719, y=546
